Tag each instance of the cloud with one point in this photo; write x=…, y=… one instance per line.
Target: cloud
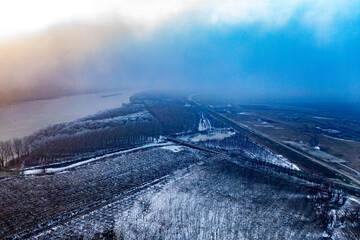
x=75, y=46
x=19, y=17
x=50, y=64
x=59, y=47
x=320, y=16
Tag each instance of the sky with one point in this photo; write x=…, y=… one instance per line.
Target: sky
x=257, y=49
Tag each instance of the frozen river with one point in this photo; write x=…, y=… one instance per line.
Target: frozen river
x=19, y=120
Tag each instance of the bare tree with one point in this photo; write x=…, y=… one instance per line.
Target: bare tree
x=314, y=140
x=9, y=154
x=18, y=147
x=2, y=155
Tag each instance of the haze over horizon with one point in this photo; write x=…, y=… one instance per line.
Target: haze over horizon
x=255, y=49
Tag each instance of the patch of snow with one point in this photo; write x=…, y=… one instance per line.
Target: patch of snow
x=204, y=124
x=278, y=160
x=33, y=171
x=328, y=130
x=213, y=135
x=331, y=131
x=173, y=148
x=284, y=162
x=161, y=139
x=353, y=199
x=244, y=113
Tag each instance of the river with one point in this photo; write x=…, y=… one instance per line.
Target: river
x=19, y=120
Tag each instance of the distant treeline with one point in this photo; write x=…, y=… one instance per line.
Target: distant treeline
x=174, y=112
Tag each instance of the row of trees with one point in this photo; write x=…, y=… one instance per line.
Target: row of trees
x=41, y=149
x=94, y=141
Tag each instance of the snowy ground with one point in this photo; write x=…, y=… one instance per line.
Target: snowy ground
x=198, y=197
x=215, y=134
x=214, y=200
x=226, y=140
x=220, y=201
x=27, y=201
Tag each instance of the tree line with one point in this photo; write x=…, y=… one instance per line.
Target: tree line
x=34, y=150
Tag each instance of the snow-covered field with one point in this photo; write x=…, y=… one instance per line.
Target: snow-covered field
x=220, y=201
x=199, y=197
x=22, y=119
x=212, y=200
x=223, y=201
x=30, y=200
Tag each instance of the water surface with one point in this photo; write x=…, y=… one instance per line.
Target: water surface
x=22, y=119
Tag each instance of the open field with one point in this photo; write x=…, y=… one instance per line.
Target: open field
x=294, y=126
x=31, y=201
x=216, y=199
x=331, y=135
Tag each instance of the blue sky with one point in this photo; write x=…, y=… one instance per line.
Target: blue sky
x=258, y=49
x=292, y=61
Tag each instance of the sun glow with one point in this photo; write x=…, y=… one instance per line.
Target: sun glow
x=19, y=17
